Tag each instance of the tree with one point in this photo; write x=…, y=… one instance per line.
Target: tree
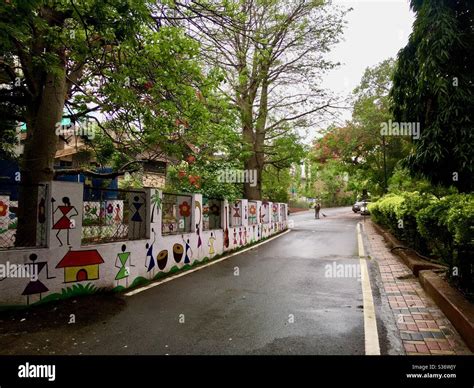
x=275, y=184
x=107, y=62
x=368, y=157
x=331, y=184
x=433, y=86
x=271, y=53
x=379, y=153
x=202, y=177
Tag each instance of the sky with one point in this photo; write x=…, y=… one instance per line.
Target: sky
x=376, y=30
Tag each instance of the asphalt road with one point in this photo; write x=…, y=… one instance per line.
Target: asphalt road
x=274, y=299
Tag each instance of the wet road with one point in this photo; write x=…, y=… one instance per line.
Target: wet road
x=279, y=298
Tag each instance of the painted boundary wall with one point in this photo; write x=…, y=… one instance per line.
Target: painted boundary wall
x=73, y=269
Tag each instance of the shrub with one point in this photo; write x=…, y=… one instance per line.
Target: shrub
x=298, y=203
x=442, y=227
x=406, y=213
x=431, y=223
x=448, y=225
x=384, y=211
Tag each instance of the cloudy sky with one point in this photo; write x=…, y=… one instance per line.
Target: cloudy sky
x=375, y=31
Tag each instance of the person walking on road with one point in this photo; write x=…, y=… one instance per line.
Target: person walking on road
x=317, y=209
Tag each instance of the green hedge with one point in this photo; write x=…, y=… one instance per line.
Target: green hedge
x=440, y=227
x=298, y=203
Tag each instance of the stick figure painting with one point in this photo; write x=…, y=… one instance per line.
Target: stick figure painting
x=136, y=219
x=150, y=260
x=212, y=251
x=67, y=211
x=236, y=214
x=36, y=286
x=124, y=271
x=187, y=256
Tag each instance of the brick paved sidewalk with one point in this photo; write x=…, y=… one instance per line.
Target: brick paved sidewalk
x=423, y=327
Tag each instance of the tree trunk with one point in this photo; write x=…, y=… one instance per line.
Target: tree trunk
x=38, y=156
x=257, y=138
x=253, y=192
x=251, y=164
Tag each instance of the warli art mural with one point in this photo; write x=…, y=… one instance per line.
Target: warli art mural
x=71, y=265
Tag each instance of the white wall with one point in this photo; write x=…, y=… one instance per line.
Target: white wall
x=53, y=279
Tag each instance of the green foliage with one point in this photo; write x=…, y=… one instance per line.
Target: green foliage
x=448, y=225
x=331, y=184
x=401, y=180
x=8, y=139
x=139, y=281
x=69, y=292
x=276, y=44
x=451, y=216
x=132, y=180
x=433, y=86
x=358, y=148
x=158, y=101
x=287, y=152
x=276, y=183
x=78, y=289
x=203, y=177
x=119, y=289
x=298, y=204
x=460, y=219
x=398, y=213
x=443, y=227
x=384, y=210
x=142, y=84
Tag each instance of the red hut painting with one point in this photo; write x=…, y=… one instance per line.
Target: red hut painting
x=80, y=266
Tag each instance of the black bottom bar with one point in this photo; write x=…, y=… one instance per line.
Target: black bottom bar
x=323, y=371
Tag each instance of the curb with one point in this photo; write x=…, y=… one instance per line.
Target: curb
x=179, y=274
x=411, y=260
x=452, y=303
